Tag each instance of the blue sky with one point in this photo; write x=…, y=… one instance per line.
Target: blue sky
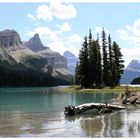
x=62, y=26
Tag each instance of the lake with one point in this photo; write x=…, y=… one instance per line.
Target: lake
x=39, y=112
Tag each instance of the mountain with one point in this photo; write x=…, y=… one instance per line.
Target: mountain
x=131, y=72
x=136, y=81
x=71, y=60
x=134, y=65
x=20, y=66
x=57, y=62
x=14, y=52
x=35, y=44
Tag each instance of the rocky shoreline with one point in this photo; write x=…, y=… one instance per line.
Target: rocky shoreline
x=129, y=97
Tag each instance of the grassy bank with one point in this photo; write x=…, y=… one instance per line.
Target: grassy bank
x=118, y=89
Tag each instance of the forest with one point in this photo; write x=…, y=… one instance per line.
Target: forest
x=27, y=78
x=100, y=62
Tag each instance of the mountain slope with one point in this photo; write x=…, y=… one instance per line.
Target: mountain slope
x=136, y=81
x=14, y=52
x=20, y=66
x=71, y=61
x=35, y=44
x=131, y=72
x=56, y=61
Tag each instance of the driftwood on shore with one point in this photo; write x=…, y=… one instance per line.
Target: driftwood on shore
x=101, y=107
x=130, y=97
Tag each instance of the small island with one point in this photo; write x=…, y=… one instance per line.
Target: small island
x=100, y=71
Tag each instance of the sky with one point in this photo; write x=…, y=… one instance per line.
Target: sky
x=63, y=25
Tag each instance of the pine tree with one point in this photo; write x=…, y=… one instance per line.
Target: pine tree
x=110, y=51
x=110, y=63
x=98, y=65
x=118, y=62
x=90, y=37
x=105, y=59
x=83, y=65
x=95, y=70
x=114, y=77
x=77, y=74
x=91, y=60
x=92, y=63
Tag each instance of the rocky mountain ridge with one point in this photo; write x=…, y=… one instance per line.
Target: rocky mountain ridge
x=71, y=61
x=35, y=44
x=131, y=72
x=54, y=59
x=14, y=54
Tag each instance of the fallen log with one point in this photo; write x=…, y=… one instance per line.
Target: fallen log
x=101, y=107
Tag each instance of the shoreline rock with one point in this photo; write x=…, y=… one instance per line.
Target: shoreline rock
x=131, y=97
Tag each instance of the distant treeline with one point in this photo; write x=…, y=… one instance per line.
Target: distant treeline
x=99, y=65
x=136, y=81
x=26, y=77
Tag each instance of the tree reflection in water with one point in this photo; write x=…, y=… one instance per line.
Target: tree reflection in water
x=116, y=124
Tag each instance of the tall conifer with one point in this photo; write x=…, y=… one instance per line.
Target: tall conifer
x=118, y=62
x=110, y=62
x=96, y=69
x=105, y=59
x=98, y=65
x=91, y=51
x=77, y=74
x=83, y=65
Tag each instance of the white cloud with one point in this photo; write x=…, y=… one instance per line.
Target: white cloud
x=128, y=27
x=41, y=31
x=123, y=37
x=135, y=40
x=130, y=54
x=131, y=33
x=61, y=46
x=73, y=43
x=65, y=27
x=57, y=46
x=75, y=38
x=57, y=41
x=31, y=17
x=122, y=32
x=44, y=13
x=45, y=32
x=62, y=11
x=136, y=27
x=57, y=10
x=74, y=48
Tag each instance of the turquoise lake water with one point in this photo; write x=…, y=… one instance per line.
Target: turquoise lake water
x=39, y=112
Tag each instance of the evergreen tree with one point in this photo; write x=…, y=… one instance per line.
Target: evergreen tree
x=92, y=63
x=95, y=70
x=91, y=60
x=118, y=62
x=105, y=59
x=90, y=37
x=110, y=63
x=83, y=65
x=114, y=77
x=77, y=74
x=110, y=51
x=98, y=65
